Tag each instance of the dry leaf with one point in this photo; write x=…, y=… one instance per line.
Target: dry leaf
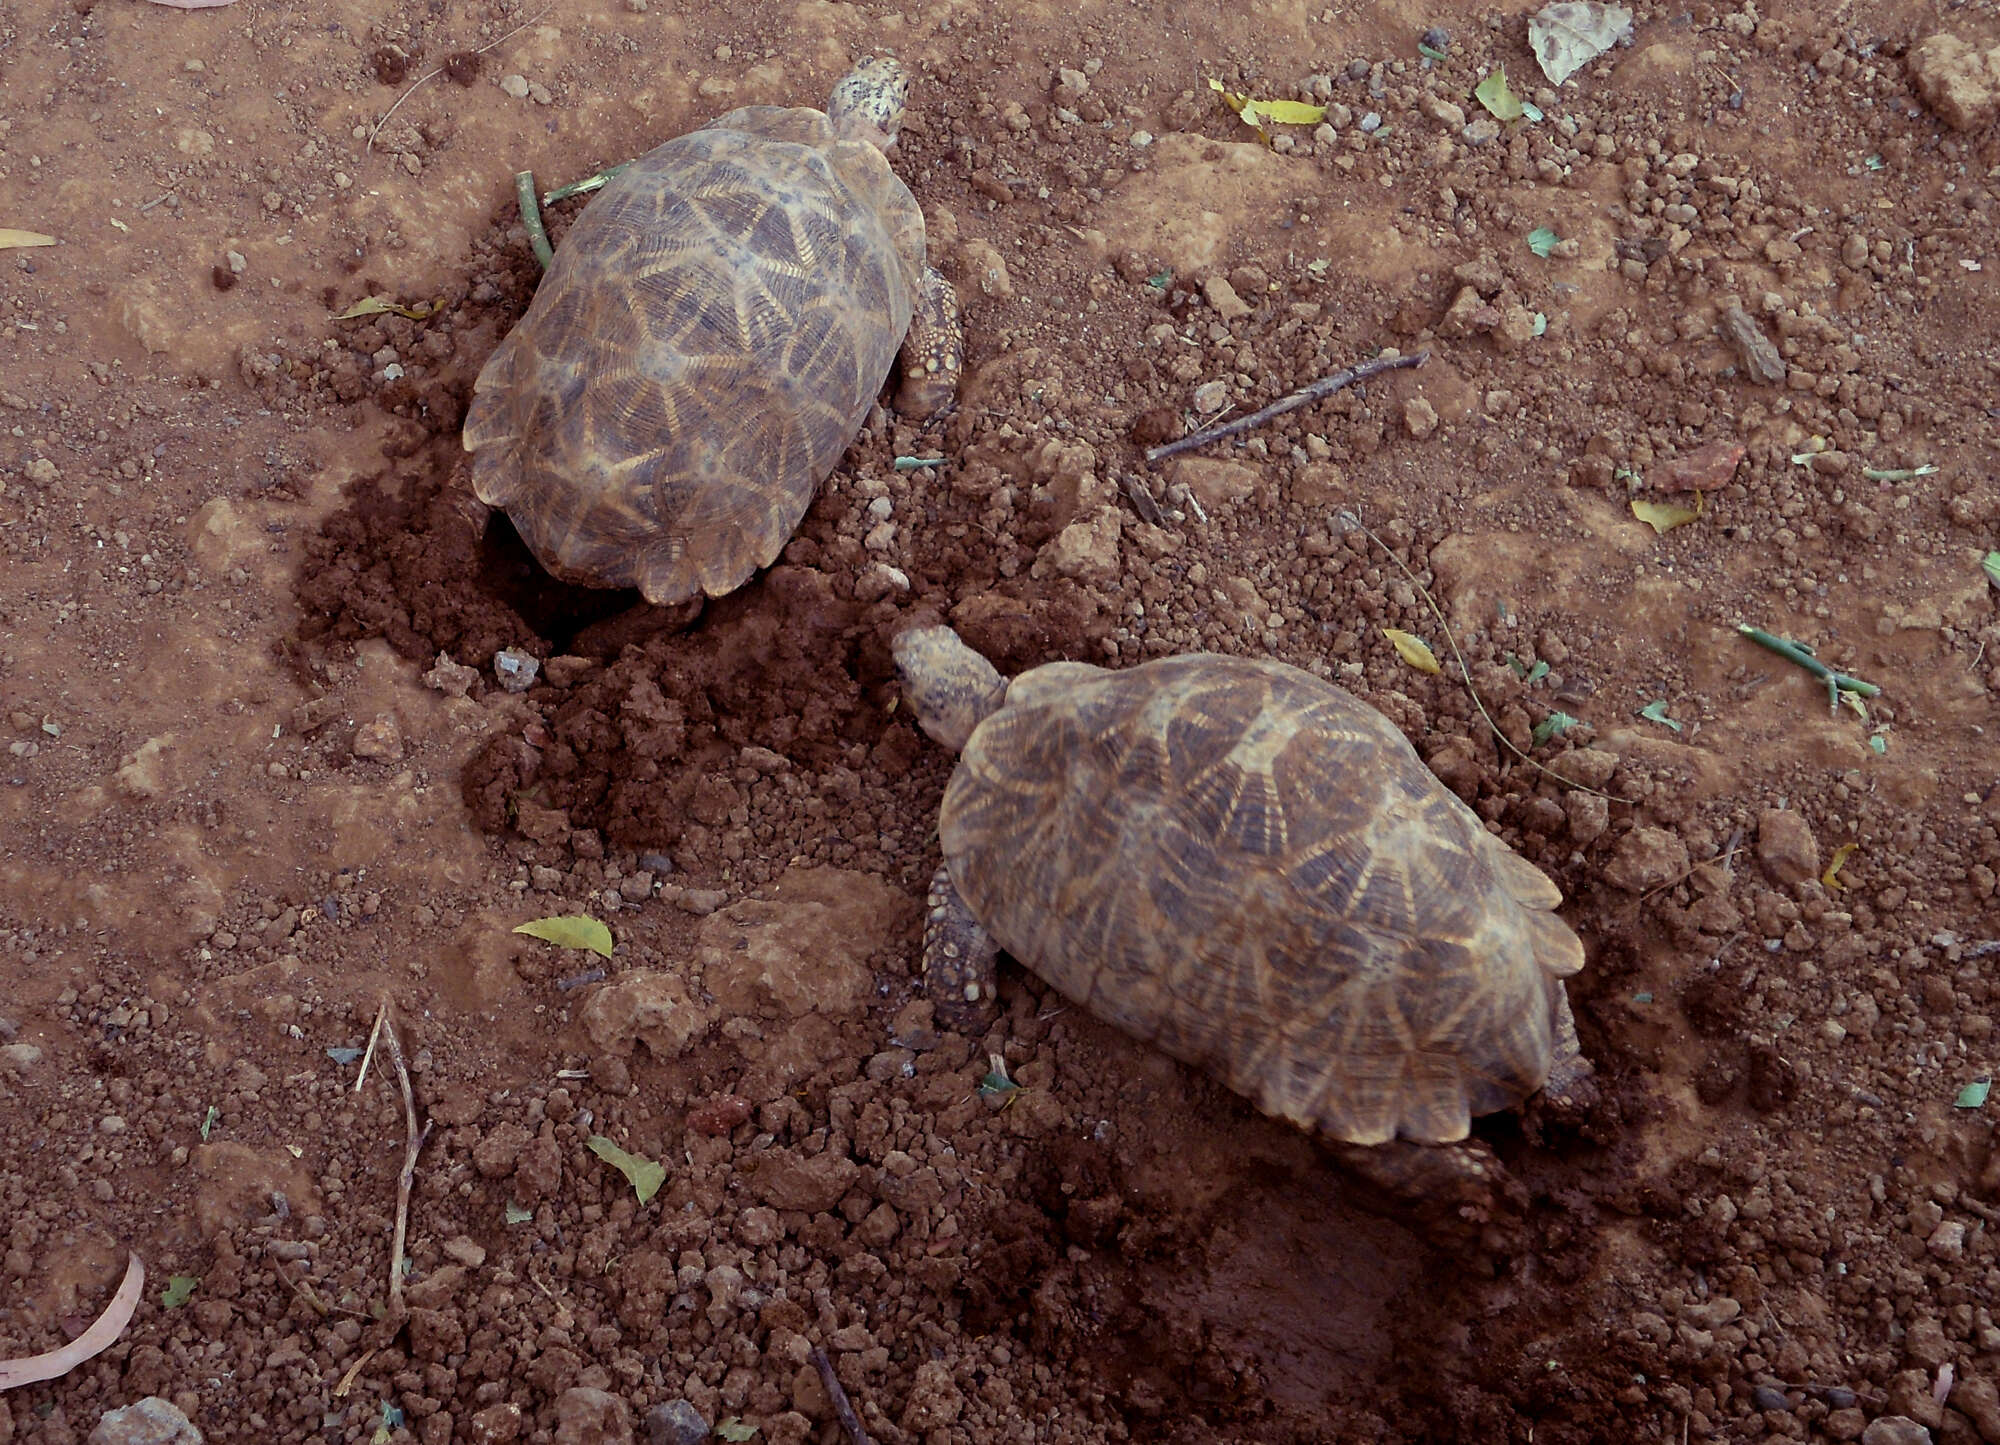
x=102, y=1334
x=194, y=4
x=1831, y=878
x=14, y=240
x=1413, y=650
x=1498, y=97
x=575, y=930
x=1665, y=516
x=1255, y=112
x=1569, y=35
x=382, y=305
x=643, y=1174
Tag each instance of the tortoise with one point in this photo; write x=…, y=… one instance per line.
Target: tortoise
x=1251, y=869
x=708, y=341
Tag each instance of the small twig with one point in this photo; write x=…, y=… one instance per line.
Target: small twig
x=1466, y=667
x=408, y=1177
x=368, y=1054
x=1836, y=682
x=585, y=186
x=843, y=1408
x=304, y=1292
x=434, y=74
x=347, y=1380
x=156, y=201
x=1306, y=395
x=531, y=217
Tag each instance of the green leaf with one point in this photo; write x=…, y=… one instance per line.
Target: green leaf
x=179, y=1287
x=518, y=1215
x=1657, y=712
x=734, y=1429
x=643, y=1174
x=1990, y=564
x=1542, y=241
x=1973, y=1095
x=574, y=930
x=1880, y=744
x=1554, y=725
x=208, y=1121
x=1498, y=97
x=344, y=1056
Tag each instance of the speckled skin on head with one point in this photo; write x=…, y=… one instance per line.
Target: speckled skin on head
x=1252, y=870
x=707, y=343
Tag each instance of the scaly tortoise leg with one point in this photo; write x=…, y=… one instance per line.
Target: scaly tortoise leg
x=1458, y=1196
x=933, y=353
x=961, y=961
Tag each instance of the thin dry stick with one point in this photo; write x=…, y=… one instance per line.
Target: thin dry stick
x=843, y=1408
x=408, y=1178
x=1305, y=396
x=368, y=1054
x=1466, y=668
x=434, y=74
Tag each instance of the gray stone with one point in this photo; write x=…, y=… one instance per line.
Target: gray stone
x=151, y=1421
x=1895, y=1430
x=675, y=1423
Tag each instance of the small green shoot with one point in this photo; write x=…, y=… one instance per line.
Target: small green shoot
x=208, y=1121
x=1542, y=241
x=1160, y=280
x=1876, y=163
x=574, y=930
x=1527, y=674
x=179, y=1288
x=1430, y=52
x=1973, y=1095
x=1554, y=725
x=517, y=1214
x=1657, y=712
x=734, y=1430
x=390, y=1423
x=1898, y=474
x=643, y=1174
x=996, y=1082
x=1839, y=685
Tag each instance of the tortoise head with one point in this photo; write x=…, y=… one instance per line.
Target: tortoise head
x=951, y=688
x=868, y=102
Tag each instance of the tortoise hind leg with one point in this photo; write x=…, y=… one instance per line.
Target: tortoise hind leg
x=933, y=352
x=961, y=960
x=1457, y=1196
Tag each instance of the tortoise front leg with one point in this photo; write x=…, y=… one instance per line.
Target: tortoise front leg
x=1458, y=1197
x=961, y=960
x=933, y=352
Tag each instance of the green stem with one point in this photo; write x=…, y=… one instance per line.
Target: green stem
x=1792, y=651
x=585, y=186
x=531, y=217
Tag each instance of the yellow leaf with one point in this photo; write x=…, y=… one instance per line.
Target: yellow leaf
x=1256, y=112
x=1665, y=516
x=380, y=305
x=1290, y=112
x=1413, y=650
x=1831, y=878
x=10, y=240
x=574, y=930
x=645, y=1175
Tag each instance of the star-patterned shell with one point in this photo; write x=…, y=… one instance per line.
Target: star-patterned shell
x=1253, y=870
x=705, y=346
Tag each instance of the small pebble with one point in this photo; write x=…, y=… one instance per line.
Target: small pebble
x=1370, y=123
x=515, y=85
x=515, y=669
x=675, y=1423
x=1766, y=1398
x=1436, y=38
